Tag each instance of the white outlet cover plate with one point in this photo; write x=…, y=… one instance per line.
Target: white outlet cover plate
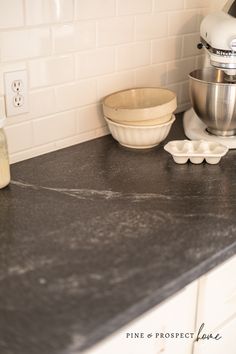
x=9, y=78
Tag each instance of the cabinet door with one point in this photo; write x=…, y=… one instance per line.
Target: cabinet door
x=217, y=295
x=226, y=345
x=179, y=316
x=174, y=315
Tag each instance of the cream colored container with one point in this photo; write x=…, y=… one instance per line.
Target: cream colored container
x=4, y=161
x=140, y=106
x=139, y=137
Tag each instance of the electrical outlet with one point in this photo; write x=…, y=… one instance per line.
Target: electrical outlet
x=16, y=92
x=17, y=85
x=18, y=101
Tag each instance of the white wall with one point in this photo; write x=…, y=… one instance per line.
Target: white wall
x=77, y=51
x=218, y=4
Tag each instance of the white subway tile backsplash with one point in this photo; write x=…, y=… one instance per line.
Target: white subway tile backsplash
x=154, y=76
x=74, y=37
x=31, y=152
x=177, y=88
x=95, y=62
x=86, y=9
x=168, y=5
x=151, y=26
x=41, y=104
x=127, y=7
x=19, y=137
x=102, y=131
x=166, y=49
x=78, y=51
x=217, y=5
x=115, y=82
x=190, y=42
x=54, y=128
x=23, y=44
x=76, y=94
x=48, y=11
x=115, y=31
x=184, y=22
x=193, y=4
x=179, y=70
x=133, y=55
x=11, y=13
x=51, y=71
x=90, y=118
x=6, y=67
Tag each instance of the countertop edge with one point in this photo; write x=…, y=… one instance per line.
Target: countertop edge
x=163, y=294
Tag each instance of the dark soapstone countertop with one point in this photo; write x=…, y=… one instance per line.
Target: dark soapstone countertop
x=94, y=235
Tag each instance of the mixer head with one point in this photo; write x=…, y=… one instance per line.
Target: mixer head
x=218, y=37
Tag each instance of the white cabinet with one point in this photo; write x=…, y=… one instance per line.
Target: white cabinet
x=175, y=315
x=227, y=345
x=210, y=300
x=217, y=309
x=178, y=316
x=217, y=295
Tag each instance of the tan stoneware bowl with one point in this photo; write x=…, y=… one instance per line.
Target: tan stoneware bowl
x=140, y=106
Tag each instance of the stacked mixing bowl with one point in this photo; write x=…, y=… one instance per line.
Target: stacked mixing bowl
x=140, y=117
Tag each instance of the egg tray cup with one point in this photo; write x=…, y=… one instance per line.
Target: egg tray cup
x=196, y=151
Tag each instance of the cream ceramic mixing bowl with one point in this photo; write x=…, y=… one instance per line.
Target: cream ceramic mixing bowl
x=140, y=106
x=139, y=137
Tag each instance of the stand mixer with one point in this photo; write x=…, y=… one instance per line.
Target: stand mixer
x=213, y=88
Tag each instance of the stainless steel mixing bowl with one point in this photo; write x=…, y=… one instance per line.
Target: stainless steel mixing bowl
x=213, y=99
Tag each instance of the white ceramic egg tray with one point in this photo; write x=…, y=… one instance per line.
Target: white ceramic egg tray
x=196, y=151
